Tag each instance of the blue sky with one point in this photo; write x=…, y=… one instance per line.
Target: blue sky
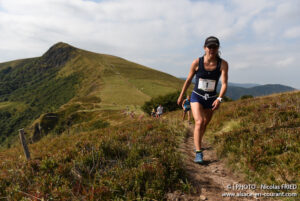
x=260, y=39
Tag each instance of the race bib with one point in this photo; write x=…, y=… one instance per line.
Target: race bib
x=206, y=85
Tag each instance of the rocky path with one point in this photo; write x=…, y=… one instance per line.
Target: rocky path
x=210, y=180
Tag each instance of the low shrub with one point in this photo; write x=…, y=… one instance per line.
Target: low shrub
x=169, y=102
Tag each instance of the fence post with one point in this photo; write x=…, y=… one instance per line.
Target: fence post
x=23, y=142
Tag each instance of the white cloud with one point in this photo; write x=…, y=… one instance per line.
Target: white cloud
x=263, y=26
x=293, y=32
x=285, y=62
x=276, y=18
x=166, y=34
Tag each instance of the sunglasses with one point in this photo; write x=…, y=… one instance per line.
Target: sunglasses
x=212, y=47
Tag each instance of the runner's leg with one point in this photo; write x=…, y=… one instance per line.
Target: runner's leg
x=208, y=113
x=199, y=117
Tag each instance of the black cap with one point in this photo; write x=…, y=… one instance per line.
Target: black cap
x=212, y=41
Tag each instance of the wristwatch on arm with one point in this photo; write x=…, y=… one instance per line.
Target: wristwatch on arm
x=220, y=99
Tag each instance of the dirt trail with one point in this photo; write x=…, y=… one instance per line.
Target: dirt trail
x=211, y=179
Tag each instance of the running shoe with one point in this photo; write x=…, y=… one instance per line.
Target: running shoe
x=199, y=157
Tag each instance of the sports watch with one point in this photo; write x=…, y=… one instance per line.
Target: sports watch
x=220, y=99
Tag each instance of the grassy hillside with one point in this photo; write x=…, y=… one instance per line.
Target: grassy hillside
x=65, y=78
x=121, y=82
x=88, y=137
x=135, y=157
x=135, y=160
x=260, y=138
x=31, y=87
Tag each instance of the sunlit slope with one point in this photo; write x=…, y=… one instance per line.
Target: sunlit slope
x=113, y=79
x=67, y=77
x=120, y=82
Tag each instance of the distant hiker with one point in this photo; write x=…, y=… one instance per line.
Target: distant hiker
x=159, y=111
x=186, y=105
x=132, y=114
x=204, y=100
x=153, y=114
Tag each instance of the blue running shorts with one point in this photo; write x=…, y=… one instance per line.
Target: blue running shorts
x=207, y=104
x=187, y=109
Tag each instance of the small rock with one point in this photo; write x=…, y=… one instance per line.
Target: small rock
x=170, y=196
x=202, y=197
x=184, y=198
x=178, y=193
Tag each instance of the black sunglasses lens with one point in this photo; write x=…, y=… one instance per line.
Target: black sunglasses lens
x=212, y=47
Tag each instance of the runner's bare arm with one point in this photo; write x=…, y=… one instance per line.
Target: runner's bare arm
x=224, y=77
x=188, y=81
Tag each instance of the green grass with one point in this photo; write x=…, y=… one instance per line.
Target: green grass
x=4, y=104
x=135, y=160
x=120, y=92
x=153, y=88
x=45, y=96
x=260, y=138
x=66, y=75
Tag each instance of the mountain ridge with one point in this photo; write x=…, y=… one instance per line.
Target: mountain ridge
x=66, y=77
x=261, y=90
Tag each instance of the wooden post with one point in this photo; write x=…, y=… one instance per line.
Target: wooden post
x=23, y=142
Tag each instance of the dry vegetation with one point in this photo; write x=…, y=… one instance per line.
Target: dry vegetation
x=135, y=160
x=260, y=138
